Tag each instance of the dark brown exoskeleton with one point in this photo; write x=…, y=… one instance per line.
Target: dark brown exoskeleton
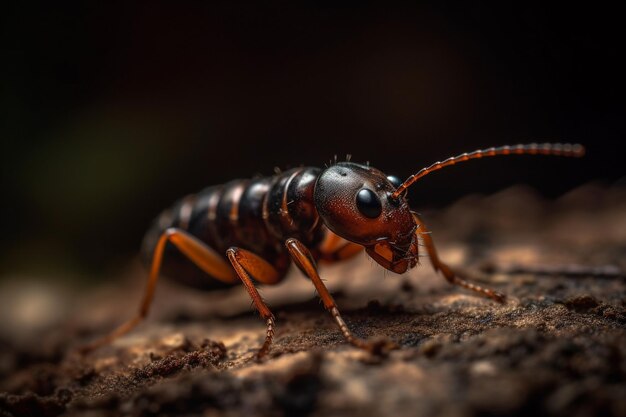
x=249, y=231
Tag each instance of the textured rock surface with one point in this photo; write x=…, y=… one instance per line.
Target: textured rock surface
x=557, y=347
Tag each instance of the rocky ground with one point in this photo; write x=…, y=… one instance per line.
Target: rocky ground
x=557, y=347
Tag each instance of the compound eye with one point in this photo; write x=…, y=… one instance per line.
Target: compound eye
x=395, y=181
x=368, y=203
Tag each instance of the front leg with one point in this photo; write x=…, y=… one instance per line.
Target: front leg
x=305, y=262
x=450, y=275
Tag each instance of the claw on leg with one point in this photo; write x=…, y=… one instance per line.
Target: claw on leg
x=377, y=347
x=269, y=337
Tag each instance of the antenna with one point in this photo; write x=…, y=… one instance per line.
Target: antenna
x=557, y=149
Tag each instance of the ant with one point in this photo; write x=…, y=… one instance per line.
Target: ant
x=249, y=231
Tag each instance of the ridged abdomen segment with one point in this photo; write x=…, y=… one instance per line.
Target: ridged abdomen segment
x=289, y=209
x=257, y=215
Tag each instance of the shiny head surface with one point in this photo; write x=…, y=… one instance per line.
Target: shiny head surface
x=355, y=202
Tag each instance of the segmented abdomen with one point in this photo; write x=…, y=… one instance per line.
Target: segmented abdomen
x=257, y=215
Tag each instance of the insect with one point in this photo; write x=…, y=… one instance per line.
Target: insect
x=249, y=231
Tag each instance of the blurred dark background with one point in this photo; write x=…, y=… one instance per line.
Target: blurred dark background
x=113, y=110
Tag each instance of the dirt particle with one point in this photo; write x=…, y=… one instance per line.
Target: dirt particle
x=407, y=287
x=483, y=367
x=581, y=303
x=84, y=375
x=430, y=348
x=207, y=357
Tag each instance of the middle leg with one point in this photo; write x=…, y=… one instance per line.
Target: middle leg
x=335, y=248
x=246, y=263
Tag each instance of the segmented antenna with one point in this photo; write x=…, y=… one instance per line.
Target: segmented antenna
x=558, y=149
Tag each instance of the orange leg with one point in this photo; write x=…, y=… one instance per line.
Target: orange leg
x=303, y=259
x=203, y=256
x=246, y=263
x=452, y=276
x=335, y=248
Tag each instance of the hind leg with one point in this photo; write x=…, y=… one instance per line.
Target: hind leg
x=203, y=256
